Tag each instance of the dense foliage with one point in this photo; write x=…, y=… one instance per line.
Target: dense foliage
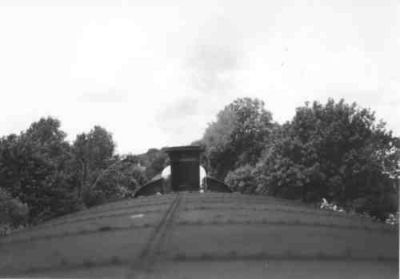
x=335, y=151
x=34, y=169
x=242, y=179
x=154, y=161
x=43, y=176
x=13, y=213
x=238, y=136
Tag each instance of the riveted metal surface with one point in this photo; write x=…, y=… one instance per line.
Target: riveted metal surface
x=209, y=235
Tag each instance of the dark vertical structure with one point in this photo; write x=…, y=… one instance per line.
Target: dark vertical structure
x=185, y=167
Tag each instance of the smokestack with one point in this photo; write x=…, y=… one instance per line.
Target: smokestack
x=185, y=163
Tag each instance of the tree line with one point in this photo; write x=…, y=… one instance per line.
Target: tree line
x=336, y=151
x=42, y=175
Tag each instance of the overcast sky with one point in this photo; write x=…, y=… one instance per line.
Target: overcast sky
x=154, y=73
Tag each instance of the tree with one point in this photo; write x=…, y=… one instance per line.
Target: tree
x=133, y=173
x=13, y=213
x=238, y=136
x=93, y=154
x=33, y=169
x=120, y=180
x=336, y=151
x=154, y=161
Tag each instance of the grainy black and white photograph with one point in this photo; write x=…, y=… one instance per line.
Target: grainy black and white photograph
x=199, y=139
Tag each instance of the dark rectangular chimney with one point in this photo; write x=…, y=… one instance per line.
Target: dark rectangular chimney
x=185, y=167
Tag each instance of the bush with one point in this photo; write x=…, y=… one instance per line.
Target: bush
x=380, y=208
x=105, y=191
x=93, y=197
x=242, y=179
x=13, y=213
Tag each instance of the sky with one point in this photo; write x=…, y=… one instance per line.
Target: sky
x=155, y=73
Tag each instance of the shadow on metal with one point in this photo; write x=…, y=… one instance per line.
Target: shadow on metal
x=215, y=185
x=151, y=188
